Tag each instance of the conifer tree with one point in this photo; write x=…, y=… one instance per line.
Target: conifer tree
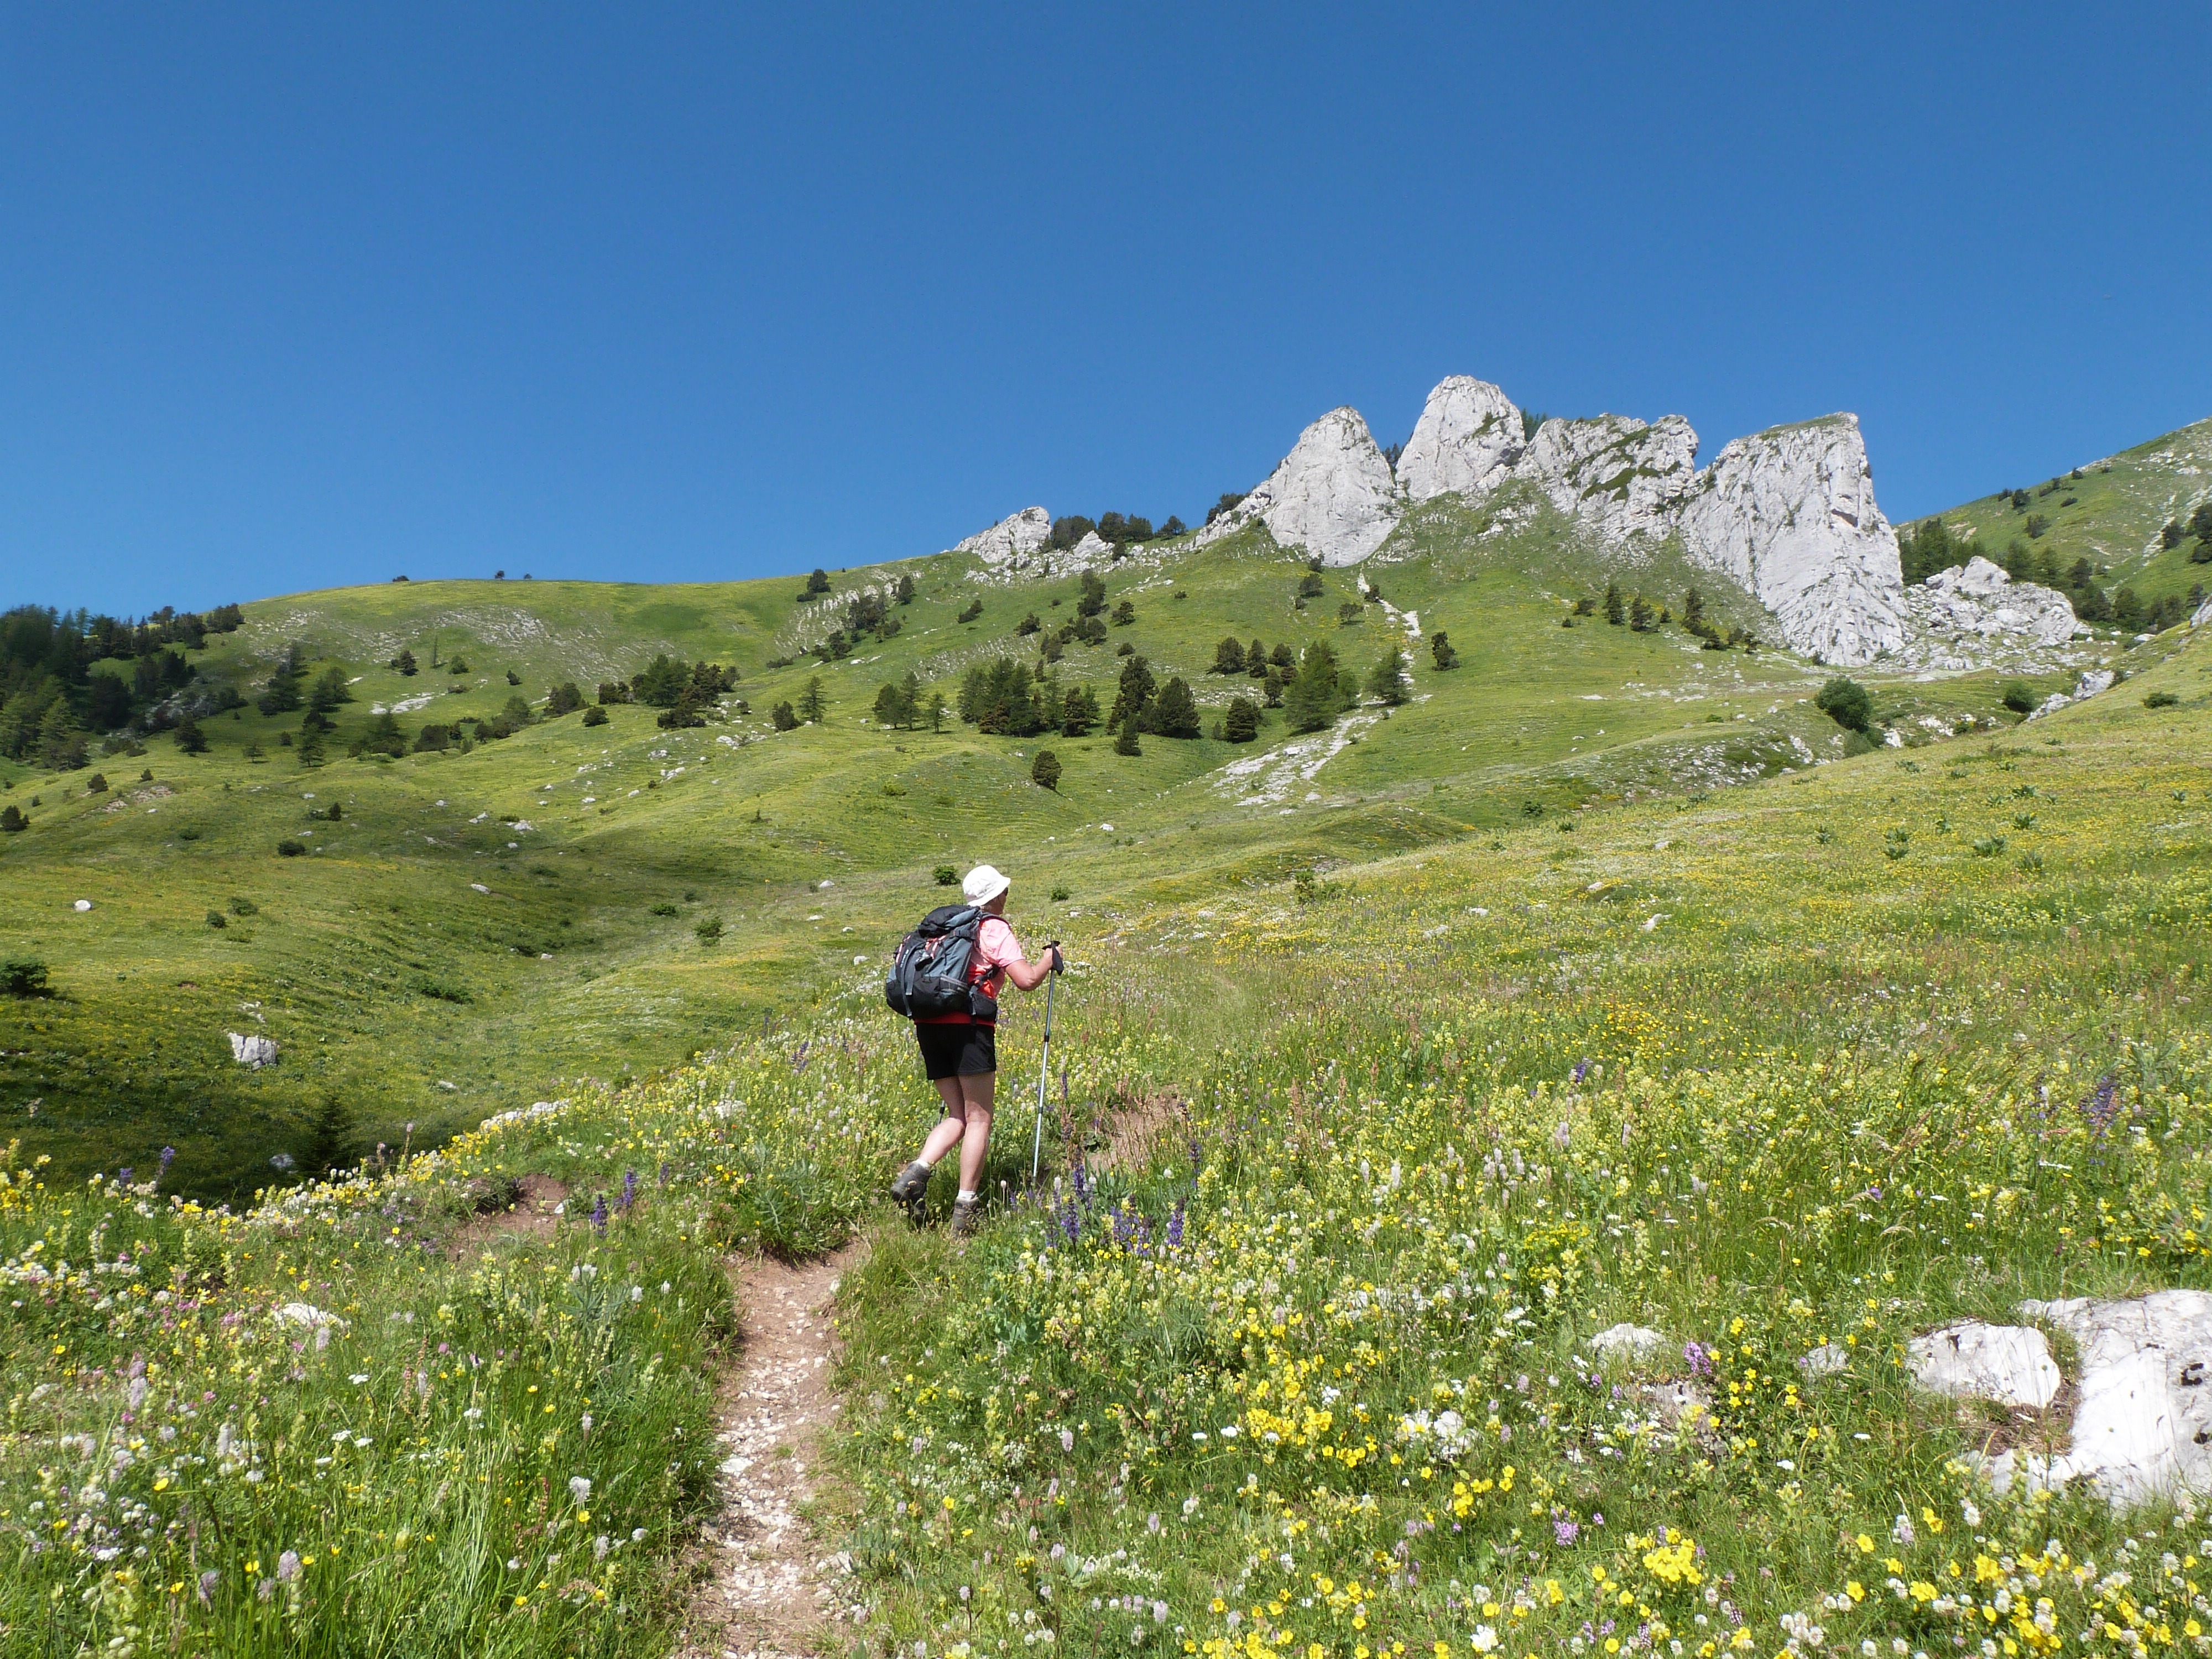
x=1615, y=613
x=190, y=738
x=811, y=703
x=1440, y=648
x=1125, y=744
x=1228, y=656
x=1255, y=660
x=1176, y=713
x=1387, y=681
x=1241, y=723
x=1044, y=771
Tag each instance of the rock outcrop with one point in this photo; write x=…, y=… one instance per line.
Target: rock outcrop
x=2142, y=1417
x=2203, y=615
x=1011, y=539
x=1333, y=496
x=1972, y=616
x=1790, y=514
x=1466, y=442
x=2009, y=1363
x=251, y=1051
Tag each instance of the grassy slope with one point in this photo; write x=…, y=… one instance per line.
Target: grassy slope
x=1838, y=1096
x=2120, y=505
x=563, y=967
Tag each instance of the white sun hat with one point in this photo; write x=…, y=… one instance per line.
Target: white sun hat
x=983, y=884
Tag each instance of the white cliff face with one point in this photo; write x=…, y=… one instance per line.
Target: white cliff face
x=1789, y=515
x=1333, y=496
x=1619, y=476
x=1466, y=442
x=2203, y=615
x=1011, y=539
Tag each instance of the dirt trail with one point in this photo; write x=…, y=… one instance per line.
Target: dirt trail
x=769, y=1592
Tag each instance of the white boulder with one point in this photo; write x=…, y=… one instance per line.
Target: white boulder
x=2203, y=615
x=254, y=1051
x=1826, y=1360
x=1333, y=494
x=1630, y=1341
x=1789, y=515
x=2093, y=681
x=1011, y=539
x=2142, y=1426
x=2011, y=1364
x=1466, y=442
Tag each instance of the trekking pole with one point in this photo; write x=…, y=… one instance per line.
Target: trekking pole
x=1044, y=1063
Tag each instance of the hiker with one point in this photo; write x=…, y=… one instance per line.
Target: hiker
x=959, y=1049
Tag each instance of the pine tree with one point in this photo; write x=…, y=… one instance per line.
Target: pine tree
x=904, y=592
x=1387, y=679
x=1079, y=712
x=936, y=711
x=1639, y=615
x=1175, y=714
x=782, y=717
x=1127, y=743
x=1093, y=596
x=404, y=662
x=1255, y=660
x=1440, y=647
x=190, y=738
x=1044, y=771
x=1133, y=699
x=329, y=1137
x=1241, y=724
x=1313, y=698
x=1228, y=656
x=330, y=690
x=811, y=703
x=1615, y=613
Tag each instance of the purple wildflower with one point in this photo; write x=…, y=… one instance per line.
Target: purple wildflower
x=629, y=1191
x=1121, y=1227
x=1699, y=1361
x=123, y=1177
x=168, y=1156
x=1175, y=1227
x=1566, y=1532
x=1071, y=1222
x=1581, y=1069
x=664, y=1172
x=1082, y=1184
x=600, y=1213
x=2101, y=1107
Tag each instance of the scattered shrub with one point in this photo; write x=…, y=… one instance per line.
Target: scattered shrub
x=289, y=849
x=216, y=919
x=664, y=908
x=1845, y=702
x=946, y=876
x=23, y=977
x=709, y=932
x=2018, y=695
x=244, y=907
x=595, y=715
x=563, y=699
x=2162, y=700
x=1044, y=771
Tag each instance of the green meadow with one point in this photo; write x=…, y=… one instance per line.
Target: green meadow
x=1604, y=981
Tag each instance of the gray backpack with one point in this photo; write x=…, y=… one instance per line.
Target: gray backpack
x=936, y=967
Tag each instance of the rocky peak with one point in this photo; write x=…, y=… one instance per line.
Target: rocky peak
x=1011, y=539
x=1333, y=496
x=1466, y=440
x=1620, y=476
x=1789, y=515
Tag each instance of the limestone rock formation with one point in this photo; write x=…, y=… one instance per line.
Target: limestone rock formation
x=2142, y=1423
x=1789, y=515
x=2011, y=1364
x=1959, y=617
x=1622, y=477
x=1333, y=496
x=1466, y=440
x=1633, y=1341
x=1011, y=539
x=2203, y=615
x=251, y=1051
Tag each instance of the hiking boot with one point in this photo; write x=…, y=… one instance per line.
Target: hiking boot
x=965, y=1212
x=911, y=1187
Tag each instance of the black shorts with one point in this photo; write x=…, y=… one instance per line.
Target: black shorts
x=957, y=1050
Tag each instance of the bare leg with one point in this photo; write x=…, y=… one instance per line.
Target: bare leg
x=976, y=1141
x=946, y=1135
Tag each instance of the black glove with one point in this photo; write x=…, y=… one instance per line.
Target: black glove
x=1059, y=962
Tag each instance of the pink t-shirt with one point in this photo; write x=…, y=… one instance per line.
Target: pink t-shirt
x=995, y=943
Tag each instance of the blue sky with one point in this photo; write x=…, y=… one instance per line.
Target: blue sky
x=296, y=296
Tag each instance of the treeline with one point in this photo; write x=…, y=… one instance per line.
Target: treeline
x=1931, y=546
x=1121, y=530
x=52, y=694
x=1638, y=615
